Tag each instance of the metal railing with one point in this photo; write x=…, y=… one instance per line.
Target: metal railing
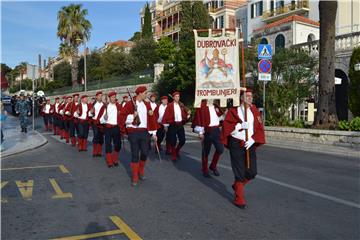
x=143, y=77
x=286, y=8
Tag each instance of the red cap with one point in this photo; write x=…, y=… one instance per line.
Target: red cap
x=76, y=94
x=98, y=92
x=153, y=95
x=112, y=93
x=69, y=97
x=140, y=89
x=125, y=97
x=164, y=97
x=247, y=90
x=84, y=96
x=176, y=93
x=57, y=98
x=64, y=97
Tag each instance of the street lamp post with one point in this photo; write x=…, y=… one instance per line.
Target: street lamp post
x=85, y=80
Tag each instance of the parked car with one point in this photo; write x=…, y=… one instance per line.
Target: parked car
x=6, y=99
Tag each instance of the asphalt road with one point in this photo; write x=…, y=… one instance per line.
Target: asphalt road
x=297, y=195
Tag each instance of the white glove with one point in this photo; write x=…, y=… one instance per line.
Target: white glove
x=199, y=130
x=237, y=127
x=249, y=143
x=245, y=125
x=67, y=113
x=76, y=114
x=61, y=112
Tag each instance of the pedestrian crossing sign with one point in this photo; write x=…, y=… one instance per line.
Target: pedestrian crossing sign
x=264, y=51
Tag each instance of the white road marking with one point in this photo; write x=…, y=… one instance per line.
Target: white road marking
x=293, y=187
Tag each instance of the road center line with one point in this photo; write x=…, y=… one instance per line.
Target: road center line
x=293, y=187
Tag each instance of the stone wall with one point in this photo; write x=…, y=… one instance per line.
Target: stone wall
x=326, y=137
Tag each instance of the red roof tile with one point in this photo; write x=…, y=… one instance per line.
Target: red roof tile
x=120, y=43
x=292, y=18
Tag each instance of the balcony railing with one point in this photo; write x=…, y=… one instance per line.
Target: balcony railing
x=288, y=8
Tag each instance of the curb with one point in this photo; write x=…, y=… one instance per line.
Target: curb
x=44, y=141
x=328, y=150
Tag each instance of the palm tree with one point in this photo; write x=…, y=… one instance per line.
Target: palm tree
x=73, y=30
x=326, y=116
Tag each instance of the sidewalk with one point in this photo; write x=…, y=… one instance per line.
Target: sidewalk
x=17, y=142
x=308, y=147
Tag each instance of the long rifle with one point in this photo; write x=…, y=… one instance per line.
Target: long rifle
x=136, y=119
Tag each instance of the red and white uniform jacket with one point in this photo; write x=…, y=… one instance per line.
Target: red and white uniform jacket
x=146, y=115
x=56, y=109
x=48, y=109
x=112, y=110
x=159, y=112
x=83, y=114
x=98, y=111
x=74, y=108
x=207, y=117
x=174, y=113
x=67, y=111
x=232, y=125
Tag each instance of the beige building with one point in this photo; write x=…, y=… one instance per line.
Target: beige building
x=166, y=17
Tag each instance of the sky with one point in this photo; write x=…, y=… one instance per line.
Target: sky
x=29, y=28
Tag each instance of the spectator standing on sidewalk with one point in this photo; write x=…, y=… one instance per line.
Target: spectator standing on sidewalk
x=3, y=116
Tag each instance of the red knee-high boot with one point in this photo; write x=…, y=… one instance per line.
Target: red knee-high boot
x=173, y=154
x=178, y=147
x=67, y=137
x=213, y=164
x=142, y=169
x=84, y=144
x=95, y=149
x=73, y=141
x=109, y=161
x=115, y=156
x=135, y=173
x=204, y=166
x=99, y=150
x=79, y=144
x=239, y=195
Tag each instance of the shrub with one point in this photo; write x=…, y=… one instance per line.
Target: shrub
x=355, y=124
x=344, y=125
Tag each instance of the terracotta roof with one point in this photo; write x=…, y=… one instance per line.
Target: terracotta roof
x=120, y=43
x=292, y=18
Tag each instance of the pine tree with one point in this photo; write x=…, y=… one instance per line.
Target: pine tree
x=146, y=31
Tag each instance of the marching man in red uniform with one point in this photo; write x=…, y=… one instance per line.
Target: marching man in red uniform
x=47, y=111
x=61, y=117
x=96, y=112
x=67, y=118
x=56, y=116
x=175, y=116
x=124, y=101
x=73, y=123
x=207, y=124
x=140, y=122
x=159, y=113
x=111, y=119
x=233, y=137
x=153, y=101
x=82, y=114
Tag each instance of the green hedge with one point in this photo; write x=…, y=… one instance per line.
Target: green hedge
x=353, y=125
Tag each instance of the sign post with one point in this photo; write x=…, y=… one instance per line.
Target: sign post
x=33, y=73
x=264, y=68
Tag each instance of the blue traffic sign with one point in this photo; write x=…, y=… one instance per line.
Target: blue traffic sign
x=264, y=51
x=264, y=66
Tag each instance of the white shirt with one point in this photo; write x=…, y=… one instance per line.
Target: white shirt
x=97, y=107
x=112, y=114
x=214, y=118
x=57, y=107
x=123, y=104
x=177, y=112
x=250, y=119
x=47, y=109
x=162, y=108
x=142, y=113
x=153, y=105
x=84, y=111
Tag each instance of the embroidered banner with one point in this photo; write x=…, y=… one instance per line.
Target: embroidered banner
x=217, y=68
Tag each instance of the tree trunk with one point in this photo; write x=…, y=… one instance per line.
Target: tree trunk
x=326, y=117
x=74, y=70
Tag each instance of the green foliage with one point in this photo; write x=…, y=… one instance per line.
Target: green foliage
x=181, y=74
x=344, y=125
x=116, y=63
x=135, y=37
x=299, y=123
x=354, y=90
x=146, y=31
x=62, y=73
x=293, y=81
x=353, y=125
x=73, y=30
x=93, y=67
x=5, y=69
x=166, y=50
x=144, y=53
